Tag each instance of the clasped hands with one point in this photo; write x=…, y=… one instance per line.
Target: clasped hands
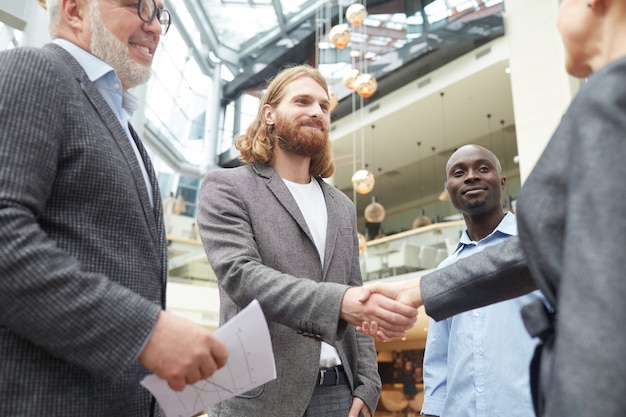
x=384, y=311
x=183, y=353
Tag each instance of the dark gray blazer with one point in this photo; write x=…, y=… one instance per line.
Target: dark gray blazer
x=259, y=245
x=572, y=239
x=83, y=264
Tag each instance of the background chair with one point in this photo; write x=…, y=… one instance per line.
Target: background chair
x=415, y=403
x=407, y=259
x=441, y=255
x=428, y=257
x=393, y=401
x=373, y=267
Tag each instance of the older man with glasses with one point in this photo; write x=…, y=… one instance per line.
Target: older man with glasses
x=84, y=258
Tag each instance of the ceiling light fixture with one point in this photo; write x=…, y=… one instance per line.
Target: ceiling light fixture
x=356, y=14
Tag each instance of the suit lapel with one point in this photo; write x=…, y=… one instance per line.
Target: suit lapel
x=117, y=133
x=334, y=213
x=280, y=190
x=121, y=139
x=278, y=187
x=154, y=217
x=158, y=205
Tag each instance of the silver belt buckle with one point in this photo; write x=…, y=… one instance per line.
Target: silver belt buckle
x=322, y=374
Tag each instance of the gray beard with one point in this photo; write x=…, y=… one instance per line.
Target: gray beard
x=106, y=46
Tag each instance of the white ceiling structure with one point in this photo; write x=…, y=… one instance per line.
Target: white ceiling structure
x=457, y=49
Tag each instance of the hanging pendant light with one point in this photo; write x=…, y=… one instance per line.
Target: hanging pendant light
x=365, y=85
x=339, y=35
x=363, y=181
x=356, y=14
x=421, y=220
x=350, y=78
x=374, y=212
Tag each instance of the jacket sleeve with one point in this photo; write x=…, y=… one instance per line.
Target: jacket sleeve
x=497, y=273
x=368, y=383
x=252, y=253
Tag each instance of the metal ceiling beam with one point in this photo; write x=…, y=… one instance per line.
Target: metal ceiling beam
x=294, y=22
x=208, y=36
x=205, y=64
x=280, y=16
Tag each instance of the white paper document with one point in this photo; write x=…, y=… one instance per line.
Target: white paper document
x=250, y=364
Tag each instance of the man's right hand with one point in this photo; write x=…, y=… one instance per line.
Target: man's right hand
x=406, y=292
x=394, y=317
x=182, y=352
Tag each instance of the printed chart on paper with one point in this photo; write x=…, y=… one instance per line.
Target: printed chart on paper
x=250, y=364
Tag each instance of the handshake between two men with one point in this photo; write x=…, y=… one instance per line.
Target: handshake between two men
x=384, y=311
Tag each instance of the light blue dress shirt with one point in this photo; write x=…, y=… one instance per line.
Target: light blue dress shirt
x=109, y=85
x=476, y=363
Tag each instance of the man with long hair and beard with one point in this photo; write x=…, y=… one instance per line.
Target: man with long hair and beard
x=82, y=284
x=275, y=231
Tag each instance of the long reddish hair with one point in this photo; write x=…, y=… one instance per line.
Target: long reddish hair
x=257, y=144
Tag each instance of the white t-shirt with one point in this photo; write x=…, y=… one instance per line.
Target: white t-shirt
x=310, y=199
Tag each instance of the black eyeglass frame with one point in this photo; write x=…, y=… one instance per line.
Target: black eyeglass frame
x=162, y=15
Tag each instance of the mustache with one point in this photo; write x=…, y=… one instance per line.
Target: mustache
x=312, y=122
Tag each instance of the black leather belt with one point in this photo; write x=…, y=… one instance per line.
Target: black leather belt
x=335, y=375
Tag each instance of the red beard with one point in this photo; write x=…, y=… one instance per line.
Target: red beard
x=293, y=138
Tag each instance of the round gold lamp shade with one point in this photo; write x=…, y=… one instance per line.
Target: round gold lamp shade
x=365, y=85
x=356, y=14
x=350, y=78
x=421, y=221
x=339, y=35
x=363, y=181
x=374, y=212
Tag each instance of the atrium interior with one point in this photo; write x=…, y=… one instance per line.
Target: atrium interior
x=448, y=72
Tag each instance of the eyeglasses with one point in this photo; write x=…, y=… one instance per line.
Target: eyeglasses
x=147, y=9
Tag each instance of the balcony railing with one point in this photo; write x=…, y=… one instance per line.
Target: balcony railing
x=417, y=249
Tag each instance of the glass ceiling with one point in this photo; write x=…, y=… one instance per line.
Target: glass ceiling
x=253, y=39
x=238, y=22
x=246, y=42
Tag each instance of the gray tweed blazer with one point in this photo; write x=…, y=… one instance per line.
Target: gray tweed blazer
x=259, y=245
x=572, y=237
x=83, y=265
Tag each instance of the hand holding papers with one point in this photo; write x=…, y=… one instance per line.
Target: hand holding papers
x=250, y=364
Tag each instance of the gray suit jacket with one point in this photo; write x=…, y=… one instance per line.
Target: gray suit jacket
x=259, y=245
x=572, y=238
x=83, y=265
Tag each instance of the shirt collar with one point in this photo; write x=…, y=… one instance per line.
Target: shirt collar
x=94, y=67
x=507, y=226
